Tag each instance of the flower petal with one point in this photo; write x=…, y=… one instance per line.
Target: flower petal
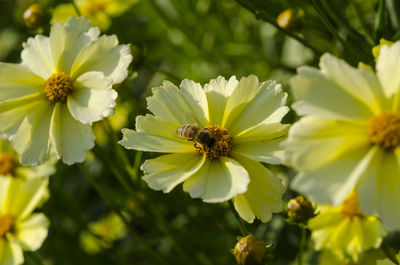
x=70, y=138
x=167, y=171
x=217, y=180
x=360, y=83
x=17, y=81
x=4, y=186
x=92, y=98
x=379, y=189
x=168, y=103
x=334, y=181
x=318, y=95
x=36, y=56
x=388, y=67
x=10, y=253
x=68, y=40
x=24, y=195
x=313, y=141
x=13, y=112
x=104, y=55
x=31, y=140
x=218, y=91
x=264, y=194
x=196, y=99
x=265, y=106
x=31, y=232
x=262, y=143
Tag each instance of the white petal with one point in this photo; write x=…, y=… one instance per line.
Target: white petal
x=68, y=40
x=167, y=171
x=24, y=195
x=360, y=83
x=317, y=95
x=31, y=232
x=388, y=68
x=92, y=98
x=196, y=98
x=333, y=182
x=265, y=106
x=379, y=189
x=70, y=138
x=313, y=142
x=4, y=187
x=10, y=253
x=217, y=180
x=36, y=56
x=104, y=55
x=13, y=112
x=264, y=194
x=217, y=92
x=18, y=81
x=168, y=103
x=31, y=140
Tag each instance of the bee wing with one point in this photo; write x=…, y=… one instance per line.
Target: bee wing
x=189, y=118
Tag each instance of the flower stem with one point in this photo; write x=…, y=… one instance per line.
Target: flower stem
x=239, y=220
x=76, y=8
x=302, y=244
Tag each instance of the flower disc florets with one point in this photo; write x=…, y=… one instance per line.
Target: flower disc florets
x=57, y=87
x=220, y=145
x=8, y=164
x=384, y=130
x=6, y=224
x=351, y=206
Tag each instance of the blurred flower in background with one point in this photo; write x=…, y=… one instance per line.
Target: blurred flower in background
x=217, y=136
x=99, y=12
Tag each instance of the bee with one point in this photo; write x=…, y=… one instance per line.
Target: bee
x=193, y=132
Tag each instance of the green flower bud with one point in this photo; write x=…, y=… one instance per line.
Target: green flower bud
x=300, y=209
x=35, y=16
x=288, y=19
x=250, y=250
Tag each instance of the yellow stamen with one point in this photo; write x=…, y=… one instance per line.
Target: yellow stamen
x=8, y=164
x=221, y=146
x=351, y=206
x=57, y=87
x=6, y=224
x=384, y=130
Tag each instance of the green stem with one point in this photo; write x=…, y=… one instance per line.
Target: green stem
x=379, y=23
x=76, y=8
x=367, y=34
x=302, y=245
x=239, y=220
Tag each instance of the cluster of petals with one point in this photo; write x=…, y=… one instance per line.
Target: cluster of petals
x=331, y=146
x=34, y=123
x=249, y=110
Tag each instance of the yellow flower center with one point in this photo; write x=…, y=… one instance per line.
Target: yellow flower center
x=6, y=224
x=8, y=164
x=219, y=143
x=351, y=206
x=384, y=130
x=57, y=87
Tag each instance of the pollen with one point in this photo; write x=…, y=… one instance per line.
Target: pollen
x=57, y=87
x=351, y=206
x=384, y=130
x=8, y=164
x=221, y=143
x=6, y=224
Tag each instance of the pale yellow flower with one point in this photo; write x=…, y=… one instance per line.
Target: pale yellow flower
x=349, y=135
x=20, y=229
x=369, y=257
x=63, y=85
x=345, y=230
x=243, y=119
x=98, y=11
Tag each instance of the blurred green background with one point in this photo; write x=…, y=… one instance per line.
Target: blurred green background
x=174, y=40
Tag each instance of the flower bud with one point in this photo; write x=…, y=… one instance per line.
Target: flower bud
x=35, y=16
x=300, y=209
x=250, y=250
x=288, y=19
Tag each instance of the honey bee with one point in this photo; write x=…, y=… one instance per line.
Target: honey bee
x=193, y=132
